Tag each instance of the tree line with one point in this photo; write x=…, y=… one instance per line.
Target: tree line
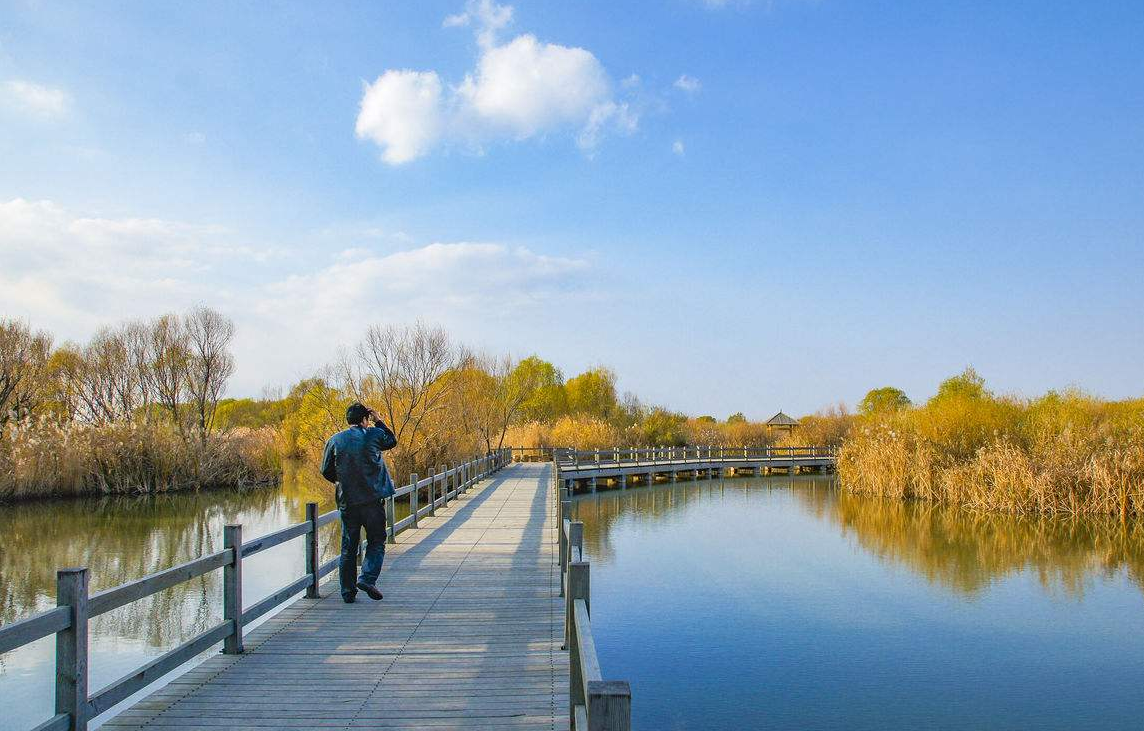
x=173, y=368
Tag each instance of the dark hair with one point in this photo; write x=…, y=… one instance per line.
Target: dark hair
x=356, y=412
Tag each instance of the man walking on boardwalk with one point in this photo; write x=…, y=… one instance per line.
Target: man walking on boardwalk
x=353, y=460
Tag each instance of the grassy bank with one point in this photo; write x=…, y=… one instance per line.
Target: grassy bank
x=1062, y=453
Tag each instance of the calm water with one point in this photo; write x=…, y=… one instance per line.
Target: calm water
x=748, y=603
x=124, y=538
x=772, y=603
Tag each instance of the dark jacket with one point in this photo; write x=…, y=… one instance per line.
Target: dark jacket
x=353, y=460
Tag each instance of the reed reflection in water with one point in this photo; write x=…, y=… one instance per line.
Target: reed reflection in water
x=785, y=603
x=124, y=538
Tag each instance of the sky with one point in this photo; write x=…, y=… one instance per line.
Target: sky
x=736, y=206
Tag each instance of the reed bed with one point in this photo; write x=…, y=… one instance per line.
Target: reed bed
x=1060, y=454
x=45, y=458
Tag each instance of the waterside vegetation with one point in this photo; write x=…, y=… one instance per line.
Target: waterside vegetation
x=1062, y=453
x=138, y=409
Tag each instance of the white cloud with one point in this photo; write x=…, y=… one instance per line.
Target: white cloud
x=195, y=138
x=526, y=86
x=73, y=270
x=608, y=114
x=439, y=279
x=520, y=89
x=72, y=273
x=402, y=112
x=486, y=15
x=688, y=84
x=677, y=147
x=36, y=99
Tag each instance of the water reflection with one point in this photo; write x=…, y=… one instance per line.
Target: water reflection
x=968, y=551
x=957, y=549
x=786, y=604
x=124, y=538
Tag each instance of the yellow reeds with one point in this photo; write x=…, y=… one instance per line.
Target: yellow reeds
x=44, y=458
x=1069, y=454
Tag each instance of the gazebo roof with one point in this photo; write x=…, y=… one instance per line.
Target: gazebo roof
x=781, y=419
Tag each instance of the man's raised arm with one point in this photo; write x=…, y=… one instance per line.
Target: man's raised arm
x=387, y=439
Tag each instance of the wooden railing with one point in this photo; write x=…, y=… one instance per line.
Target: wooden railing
x=651, y=456
x=594, y=704
x=531, y=454
x=68, y=621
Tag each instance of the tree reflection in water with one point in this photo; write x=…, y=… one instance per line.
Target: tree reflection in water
x=958, y=549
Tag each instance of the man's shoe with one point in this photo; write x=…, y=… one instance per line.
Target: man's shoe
x=349, y=599
x=371, y=590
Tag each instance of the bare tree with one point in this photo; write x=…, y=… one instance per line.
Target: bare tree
x=210, y=363
x=23, y=357
x=407, y=371
x=112, y=379
x=168, y=355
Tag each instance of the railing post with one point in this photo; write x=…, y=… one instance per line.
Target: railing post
x=391, y=519
x=609, y=705
x=565, y=549
x=446, y=483
x=576, y=539
x=232, y=590
x=578, y=588
x=414, y=500
x=312, y=550
x=432, y=491
x=71, y=648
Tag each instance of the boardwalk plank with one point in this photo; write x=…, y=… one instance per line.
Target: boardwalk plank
x=468, y=636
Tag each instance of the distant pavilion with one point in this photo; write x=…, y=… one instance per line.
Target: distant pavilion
x=781, y=422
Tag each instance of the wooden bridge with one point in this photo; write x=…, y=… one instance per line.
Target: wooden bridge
x=471, y=633
x=592, y=469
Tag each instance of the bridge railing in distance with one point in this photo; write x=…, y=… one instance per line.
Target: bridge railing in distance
x=653, y=456
x=68, y=621
x=531, y=454
x=594, y=704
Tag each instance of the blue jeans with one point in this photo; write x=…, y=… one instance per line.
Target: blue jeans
x=370, y=516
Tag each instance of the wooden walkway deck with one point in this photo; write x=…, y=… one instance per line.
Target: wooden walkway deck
x=467, y=637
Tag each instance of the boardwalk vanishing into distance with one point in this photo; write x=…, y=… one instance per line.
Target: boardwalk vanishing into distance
x=468, y=636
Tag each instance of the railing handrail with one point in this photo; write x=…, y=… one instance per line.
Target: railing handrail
x=68, y=621
x=594, y=704
x=651, y=456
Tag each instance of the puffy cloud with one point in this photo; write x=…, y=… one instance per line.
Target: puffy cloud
x=35, y=99
x=519, y=89
x=677, y=147
x=402, y=113
x=527, y=86
x=688, y=84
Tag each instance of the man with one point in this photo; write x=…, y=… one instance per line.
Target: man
x=353, y=460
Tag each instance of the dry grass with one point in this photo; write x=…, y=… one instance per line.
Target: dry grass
x=1060, y=454
x=579, y=432
x=49, y=459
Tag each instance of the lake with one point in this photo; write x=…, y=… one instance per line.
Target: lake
x=785, y=604
x=743, y=603
x=123, y=538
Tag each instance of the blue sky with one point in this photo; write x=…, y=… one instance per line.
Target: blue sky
x=737, y=206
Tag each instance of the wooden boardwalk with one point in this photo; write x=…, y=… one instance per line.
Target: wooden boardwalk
x=467, y=637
